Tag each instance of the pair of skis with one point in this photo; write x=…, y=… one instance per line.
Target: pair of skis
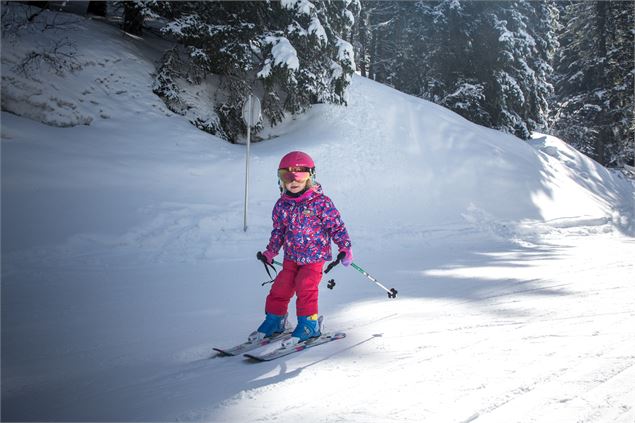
x=271, y=348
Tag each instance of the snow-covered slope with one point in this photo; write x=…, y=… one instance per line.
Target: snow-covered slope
x=124, y=261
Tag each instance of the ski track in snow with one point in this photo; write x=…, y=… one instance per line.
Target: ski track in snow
x=553, y=344
x=573, y=381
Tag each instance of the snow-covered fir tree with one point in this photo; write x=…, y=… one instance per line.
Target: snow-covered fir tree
x=488, y=61
x=595, y=72
x=134, y=13
x=512, y=58
x=292, y=54
x=544, y=23
x=383, y=29
x=452, y=78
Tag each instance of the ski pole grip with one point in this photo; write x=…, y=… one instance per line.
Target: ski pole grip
x=332, y=264
x=263, y=259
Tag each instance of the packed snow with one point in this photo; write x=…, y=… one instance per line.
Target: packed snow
x=124, y=260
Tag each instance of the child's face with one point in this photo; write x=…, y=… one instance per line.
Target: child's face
x=295, y=178
x=295, y=186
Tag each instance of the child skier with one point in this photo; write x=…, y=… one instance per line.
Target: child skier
x=304, y=223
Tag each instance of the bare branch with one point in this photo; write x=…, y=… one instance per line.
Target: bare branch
x=60, y=57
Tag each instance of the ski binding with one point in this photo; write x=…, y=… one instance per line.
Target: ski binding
x=281, y=351
x=249, y=346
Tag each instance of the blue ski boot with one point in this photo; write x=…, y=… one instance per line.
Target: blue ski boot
x=308, y=327
x=273, y=324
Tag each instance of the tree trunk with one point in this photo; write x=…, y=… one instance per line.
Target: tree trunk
x=97, y=8
x=372, y=55
x=40, y=4
x=363, y=41
x=132, y=18
x=604, y=137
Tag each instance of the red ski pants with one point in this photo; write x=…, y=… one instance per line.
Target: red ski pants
x=302, y=280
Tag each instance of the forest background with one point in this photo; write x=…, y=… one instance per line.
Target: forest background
x=565, y=68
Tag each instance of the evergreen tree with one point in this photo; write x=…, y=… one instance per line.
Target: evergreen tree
x=453, y=78
x=488, y=61
x=362, y=35
x=595, y=80
x=621, y=95
x=97, y=8
x=513, y=59
x=378, y=32
x=543, y=27
x=293, y=53
x=133, y=17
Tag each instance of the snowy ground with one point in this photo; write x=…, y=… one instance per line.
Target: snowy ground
x=124, y=261
x=482, y=328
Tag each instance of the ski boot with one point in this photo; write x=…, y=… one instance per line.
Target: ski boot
x=273, y=324
x=308, y=327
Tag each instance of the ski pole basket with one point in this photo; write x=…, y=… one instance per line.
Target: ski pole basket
x=392, y=292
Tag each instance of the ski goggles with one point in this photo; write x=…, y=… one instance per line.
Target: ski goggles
x=295, y=173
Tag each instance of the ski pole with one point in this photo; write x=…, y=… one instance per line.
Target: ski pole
x=392, y=292
x=331, y=283
x=261, y=257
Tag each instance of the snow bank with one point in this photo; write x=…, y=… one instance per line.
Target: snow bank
x=58, y=71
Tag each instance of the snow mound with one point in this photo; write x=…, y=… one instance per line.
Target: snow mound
x=58, y=71
x=394, y=160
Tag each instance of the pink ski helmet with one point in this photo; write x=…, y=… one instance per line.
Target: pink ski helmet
x=296, y=166
x=296, y=159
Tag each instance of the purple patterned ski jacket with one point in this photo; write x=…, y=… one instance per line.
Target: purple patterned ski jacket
x=305, y=226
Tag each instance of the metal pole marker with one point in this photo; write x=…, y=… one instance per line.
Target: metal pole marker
x=251, y=116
